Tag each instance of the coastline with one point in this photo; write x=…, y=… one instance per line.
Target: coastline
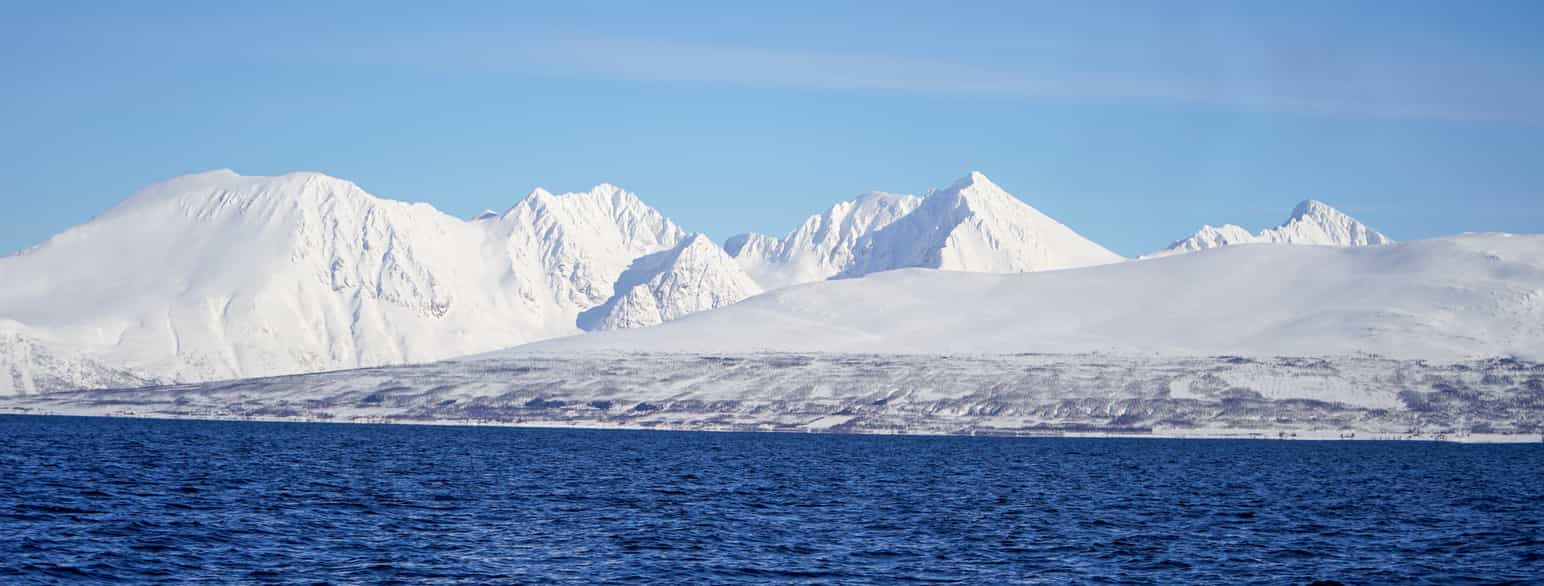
x=1281, y=434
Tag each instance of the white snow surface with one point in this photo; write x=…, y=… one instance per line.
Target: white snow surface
x=1312, y=222
x=823, y=246
x=694, y=276
x=972, y=225
x=1475, y=295
x=216, y=275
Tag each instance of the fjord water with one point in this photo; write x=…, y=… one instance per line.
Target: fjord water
x=155, y=501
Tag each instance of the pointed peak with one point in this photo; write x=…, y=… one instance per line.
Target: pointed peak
x=974, y=179
x=975, y=191
x=600, y=192
x=697, y=240
x=1315, y=222
x=617, y=194
x=538, y=197
x=1313, y=207
x=699, y=244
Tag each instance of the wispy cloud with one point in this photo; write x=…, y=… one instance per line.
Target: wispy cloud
x=1416, y=90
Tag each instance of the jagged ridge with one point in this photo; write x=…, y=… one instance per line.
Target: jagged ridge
x=1311, y=222
x=695, y=276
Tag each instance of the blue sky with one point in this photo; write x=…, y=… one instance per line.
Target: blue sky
x=1133, y=122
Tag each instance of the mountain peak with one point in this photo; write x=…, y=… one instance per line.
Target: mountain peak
x=1313, y=207
x=975, y=225
x=978, y=193
x=698, y=241
x=223, y=191
x=1311, y=222
x=1315, y=222
x=975, y=179
x=695, y=275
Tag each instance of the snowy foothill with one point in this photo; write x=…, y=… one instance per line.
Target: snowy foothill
x=1460, y=297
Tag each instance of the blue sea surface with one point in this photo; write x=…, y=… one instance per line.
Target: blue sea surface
x=95, y=499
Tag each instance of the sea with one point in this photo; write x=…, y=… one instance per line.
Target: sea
x=117, y=500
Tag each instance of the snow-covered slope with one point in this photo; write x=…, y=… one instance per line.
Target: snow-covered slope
x=29, y=366
x=1311, y=222
x=1463, y=296
x=217, y=275
x=1314, y=222
x=694, y=276
x=974, y=225
x=823, y=246
x=579, y=243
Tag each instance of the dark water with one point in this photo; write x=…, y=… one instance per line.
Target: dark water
x=155, y=501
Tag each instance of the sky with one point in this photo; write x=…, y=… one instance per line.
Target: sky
x=1133, y=122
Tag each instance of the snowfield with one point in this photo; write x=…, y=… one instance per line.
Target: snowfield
x=1462, y=297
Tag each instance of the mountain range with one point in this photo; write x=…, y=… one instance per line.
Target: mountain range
x=1473, y=296
x=218, y=276
x=1311, y=222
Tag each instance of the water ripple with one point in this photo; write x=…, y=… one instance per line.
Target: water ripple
x=91, y=500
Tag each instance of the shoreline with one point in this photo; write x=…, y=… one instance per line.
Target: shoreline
x=1155, y=434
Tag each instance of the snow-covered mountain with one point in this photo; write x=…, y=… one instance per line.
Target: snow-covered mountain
x=823, y=246
x=694, y=276
x=974, y=225
x=217, y=275
x=1444, y=298
x=1311, y=222
x=575, y=245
